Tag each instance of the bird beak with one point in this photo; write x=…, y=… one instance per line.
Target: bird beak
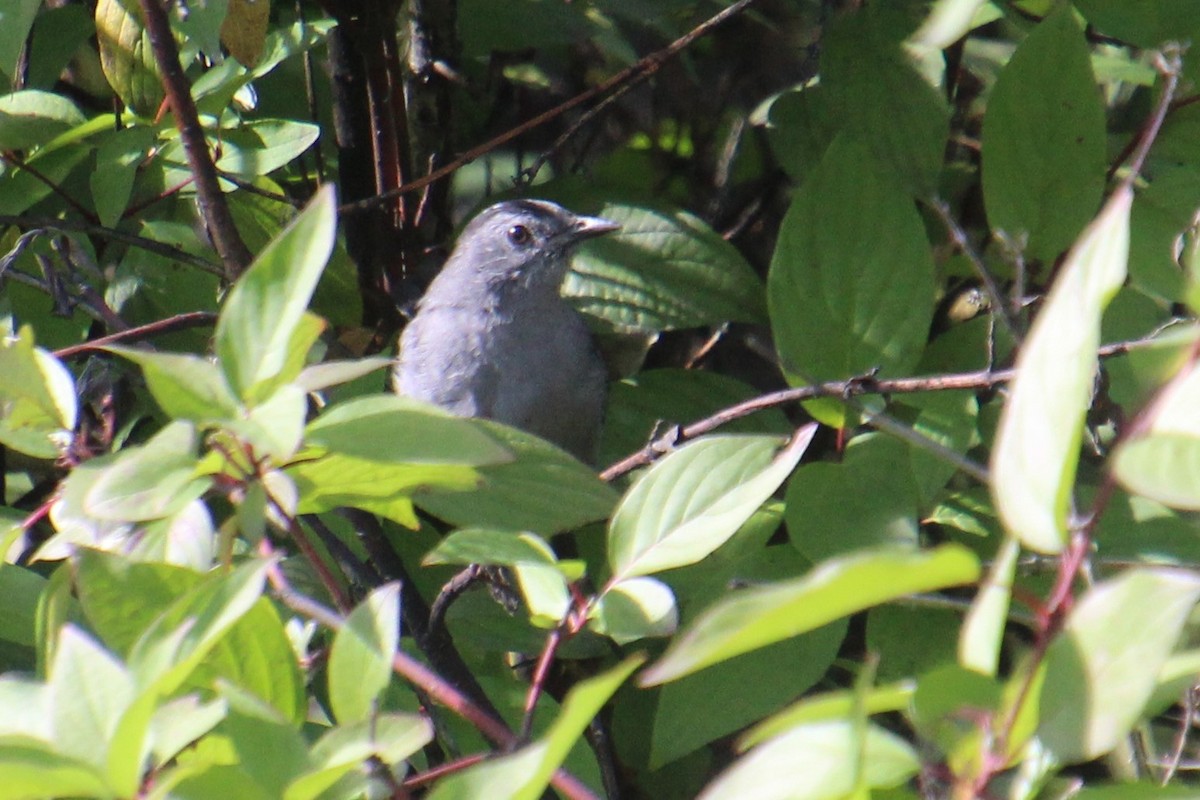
x=589, y=227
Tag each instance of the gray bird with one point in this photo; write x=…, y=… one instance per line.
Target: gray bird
x=493, y=336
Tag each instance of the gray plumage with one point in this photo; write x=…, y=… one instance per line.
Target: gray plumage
x=493, y=336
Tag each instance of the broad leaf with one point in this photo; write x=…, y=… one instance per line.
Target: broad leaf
x=397, y=430
x=691, y=502
x=852, y=276
x=149, y=481
x=31, y=118
x=1102, y=669
x=755, y=617
x=818, y=761
x=1043, y=139
x=662, y=270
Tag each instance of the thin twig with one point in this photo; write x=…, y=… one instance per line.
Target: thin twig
x=635, y=72
x=179, y=322
x=980, y=379
x=959, y=237
x=20, y=163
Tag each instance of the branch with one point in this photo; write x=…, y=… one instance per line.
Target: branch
x=635, y=73
x=179, y=322
x=213, y=208
x=981, y=379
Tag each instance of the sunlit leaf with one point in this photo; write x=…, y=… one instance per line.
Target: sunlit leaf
x=1037, y=442
x=756, y=617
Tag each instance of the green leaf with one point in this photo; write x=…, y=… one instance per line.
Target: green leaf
x=525, y=774
x=485, y=546
x=180, y=722
x=122, y=599
x=344, y=749
x=16, y=19
x=265, y=307
x=643, y=404
x=818, y=761
x=881, y=99
x=259, y=147
x=275, y=426
x=690, y=712
x=178, y=640
x=690, y=503
x=1146, y=25
x=118, y=157
x=542, y=490
x=829, y=514
x=663, y=270
x=149, y=481
x=31, y=118
x=398, y=430
x=1043, y=139
x=1036, y=449
x=127, y=57
x=360, y=661
x=331, y=373
x=1102, y=669
x=800, y=126
x=758, y=616
x=635, y=608
x=851, y=283
x=37, y=398
x=333, y=481
x=983, y=629
x=830, y=706
x=184, y=386
x=1162, y=461
x=544, y=590
x=89, y=690
x=33, y=772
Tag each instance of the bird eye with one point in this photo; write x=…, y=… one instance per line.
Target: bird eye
x=519, y=235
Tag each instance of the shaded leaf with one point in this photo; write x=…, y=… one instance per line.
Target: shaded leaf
x=1043, y=139
x=851, y=280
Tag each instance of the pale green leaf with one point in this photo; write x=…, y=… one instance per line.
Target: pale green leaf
x=983, y=629
x=31, y=118
x=817, y=761
x=690, y=503
x=1102, y=668
x=264, y=308
x=635, y=608
x=1037, y=441
x=755, y=617
x=360, y=662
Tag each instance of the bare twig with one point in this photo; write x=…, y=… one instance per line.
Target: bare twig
x=213, y=209
x=637, y=72
x=95, y=229
x=20, y=163
x=959, y=237
x=980, y=379
x=179, y=322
